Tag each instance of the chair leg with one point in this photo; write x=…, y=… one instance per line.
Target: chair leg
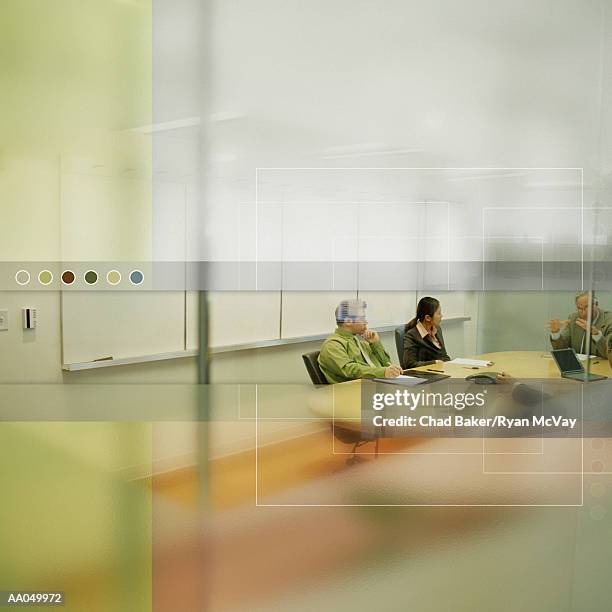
x=355, y=458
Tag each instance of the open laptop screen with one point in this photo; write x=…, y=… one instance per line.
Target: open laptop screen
x=566, y=360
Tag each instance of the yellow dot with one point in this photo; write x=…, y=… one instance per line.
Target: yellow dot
x=113, y=277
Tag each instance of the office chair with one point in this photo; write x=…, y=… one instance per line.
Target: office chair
x=346, y=436
x=399, y=343
x=311, y=361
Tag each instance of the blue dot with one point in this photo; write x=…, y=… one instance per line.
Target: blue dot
x=136, y=277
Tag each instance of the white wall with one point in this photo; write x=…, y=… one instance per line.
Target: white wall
x=413, y=84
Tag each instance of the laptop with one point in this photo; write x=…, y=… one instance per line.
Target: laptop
x=570, y=366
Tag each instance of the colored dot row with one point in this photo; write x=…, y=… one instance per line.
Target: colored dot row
x=91, y=277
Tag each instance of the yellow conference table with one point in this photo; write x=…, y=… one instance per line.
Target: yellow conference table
x=518, y=364
x=341, y=403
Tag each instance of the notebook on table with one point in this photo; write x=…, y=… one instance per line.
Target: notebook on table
x=415, y=378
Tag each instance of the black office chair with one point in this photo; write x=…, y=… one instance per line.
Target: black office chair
x=400, y=332
x=311, y=361
x=346, y=436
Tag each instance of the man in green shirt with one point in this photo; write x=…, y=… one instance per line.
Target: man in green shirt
x=353, y=351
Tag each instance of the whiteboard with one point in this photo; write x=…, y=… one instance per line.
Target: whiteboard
x=310, y=313
x=389, y=307
x=99, y=324
x=240, y=317
x=109, y=218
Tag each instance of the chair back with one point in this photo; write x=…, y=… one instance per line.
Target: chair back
x=311, y=361
x=399, y=343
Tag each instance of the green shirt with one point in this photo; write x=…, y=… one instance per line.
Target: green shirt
x=342, y=359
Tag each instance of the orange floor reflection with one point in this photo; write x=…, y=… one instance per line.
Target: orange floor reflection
x=282, y=466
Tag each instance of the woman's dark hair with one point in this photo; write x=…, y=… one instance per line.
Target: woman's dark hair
x=426, y=306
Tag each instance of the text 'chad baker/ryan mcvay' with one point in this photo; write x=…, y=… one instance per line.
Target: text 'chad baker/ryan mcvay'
x=458, y=420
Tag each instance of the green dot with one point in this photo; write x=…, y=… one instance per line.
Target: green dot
x=91, y=277
x=45, y=277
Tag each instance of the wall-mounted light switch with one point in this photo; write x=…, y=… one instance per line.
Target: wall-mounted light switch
x=3, y=320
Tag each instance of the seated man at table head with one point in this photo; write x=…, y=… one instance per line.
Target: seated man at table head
x=571, y=333
x=353, y=351
x=423, y=340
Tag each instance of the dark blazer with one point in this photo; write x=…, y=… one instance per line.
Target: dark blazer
x=422, y=351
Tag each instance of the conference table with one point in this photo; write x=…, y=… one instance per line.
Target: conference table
x=341, y=403
x=519, y=365
x=448, y=465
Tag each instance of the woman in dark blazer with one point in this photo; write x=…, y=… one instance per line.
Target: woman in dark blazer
x=423, y=340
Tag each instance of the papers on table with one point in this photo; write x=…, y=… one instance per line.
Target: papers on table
x=475, y=363
x=402, y=379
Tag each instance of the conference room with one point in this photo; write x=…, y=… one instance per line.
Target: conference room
x=225, y=373
x=186, y=209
